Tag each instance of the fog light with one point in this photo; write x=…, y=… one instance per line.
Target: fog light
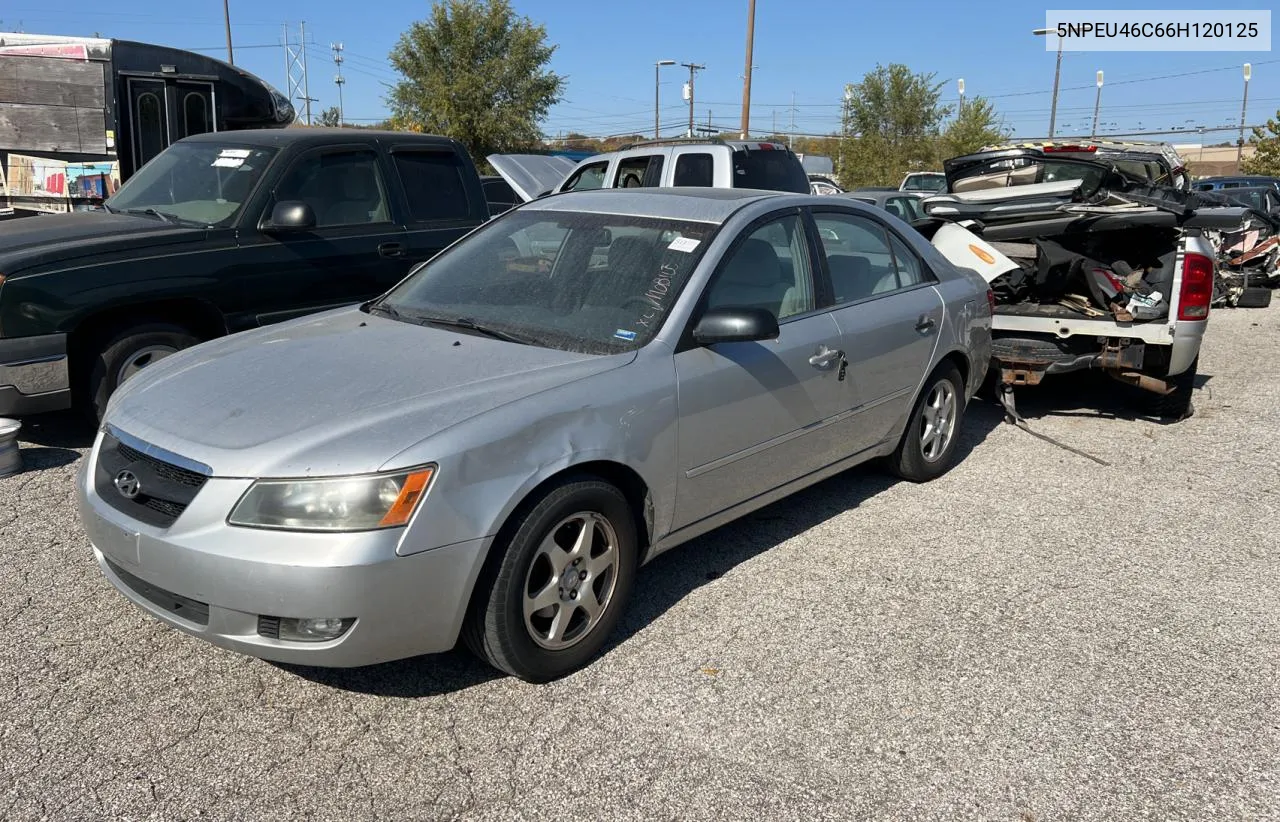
x=314, y=629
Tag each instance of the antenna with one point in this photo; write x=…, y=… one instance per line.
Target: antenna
x=339, y=80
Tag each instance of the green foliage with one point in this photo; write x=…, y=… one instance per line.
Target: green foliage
x=476, y=71
x=891, y=126
x=329, y=117
x=975, y=126
x=1266, y=157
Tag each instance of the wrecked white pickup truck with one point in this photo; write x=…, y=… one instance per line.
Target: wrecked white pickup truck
x=1095, y=255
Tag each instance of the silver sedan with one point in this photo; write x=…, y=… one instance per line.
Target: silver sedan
x=490, y=450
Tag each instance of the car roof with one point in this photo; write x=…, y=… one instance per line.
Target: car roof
x=279, y=137
x=707, y=205
x=1261, y=178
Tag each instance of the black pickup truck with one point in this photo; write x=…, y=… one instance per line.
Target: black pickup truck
x=219, y=233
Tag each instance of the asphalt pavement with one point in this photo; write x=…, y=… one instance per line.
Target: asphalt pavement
x=1034, y=636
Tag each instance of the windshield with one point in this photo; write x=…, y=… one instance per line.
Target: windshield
x=591, y=283
x=202, y=182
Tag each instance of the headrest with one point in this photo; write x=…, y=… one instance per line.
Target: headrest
x=755, y=263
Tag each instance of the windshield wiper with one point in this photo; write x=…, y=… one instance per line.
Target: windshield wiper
x=382, y=308
x=471, y=325
x=151, y=212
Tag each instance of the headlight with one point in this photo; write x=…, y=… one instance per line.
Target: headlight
x=363, y=503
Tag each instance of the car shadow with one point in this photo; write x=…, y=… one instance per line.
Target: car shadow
x=59, y=429
x=667, y=579
x=1090, y=394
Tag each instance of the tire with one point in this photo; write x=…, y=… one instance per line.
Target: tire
x=128, y=351
x=527, y=643
x=915, y=460
x=1175, y=405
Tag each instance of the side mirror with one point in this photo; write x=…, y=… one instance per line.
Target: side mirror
x=722, y=325
x=291, y=215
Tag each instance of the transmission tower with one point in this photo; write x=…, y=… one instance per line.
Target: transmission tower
x=339, y=80
x=295, y=70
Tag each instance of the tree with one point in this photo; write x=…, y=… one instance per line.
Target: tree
x=891, y=126
x=477, y=72
x=975, y=126
x=1266, y=150
x=329, y=118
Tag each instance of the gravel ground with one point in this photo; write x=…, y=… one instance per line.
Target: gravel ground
x=1031, y=637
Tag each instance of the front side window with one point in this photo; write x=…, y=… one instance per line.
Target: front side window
x=433, y=184
x=577, y=281
x=587, y=177
x=770, y=269
x=342, y=187
x=205, y=183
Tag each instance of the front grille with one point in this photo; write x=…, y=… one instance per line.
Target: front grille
x=189, y=609
x=164, y=470
x=164, y=490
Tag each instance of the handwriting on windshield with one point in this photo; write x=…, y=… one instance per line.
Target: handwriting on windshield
x=657, y=294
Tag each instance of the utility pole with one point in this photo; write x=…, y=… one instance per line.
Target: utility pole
x=295, y=70
x=1057, y=76
x=226, y=16
x=693, y=69
x=791, y=134
x=657, y=67
x=746, y=77
x=1244, y=105
x=960, y=85
x=306, y=88
x=1097, y=101
x=339, y=80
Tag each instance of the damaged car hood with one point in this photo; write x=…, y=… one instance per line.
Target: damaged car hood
x=331, y=394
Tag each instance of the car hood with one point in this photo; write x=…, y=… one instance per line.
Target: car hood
x=532, y=175
x=34, y=240
x=338, y=393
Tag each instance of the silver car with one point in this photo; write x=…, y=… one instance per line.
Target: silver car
x=490, y=450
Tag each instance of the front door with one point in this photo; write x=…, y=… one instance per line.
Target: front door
x=355, y=252
x=756, y=415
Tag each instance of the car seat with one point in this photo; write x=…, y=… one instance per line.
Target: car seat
x=353, y=196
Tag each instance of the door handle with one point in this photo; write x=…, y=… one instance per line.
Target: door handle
x=924, y=323
x=826, y=357
x=391, y=250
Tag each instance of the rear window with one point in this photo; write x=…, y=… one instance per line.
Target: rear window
x=769, y=170
x=433, y=184
x=697, y=170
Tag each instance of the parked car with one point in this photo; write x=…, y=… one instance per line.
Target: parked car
x=492, y=448
x=220, y=232
x=1241, y=181
x=703, y=163
x=1096, y=257
x=823, y=184
x=925, y=182
x=901, y=204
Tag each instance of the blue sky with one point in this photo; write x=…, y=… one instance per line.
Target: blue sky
x=805, y=50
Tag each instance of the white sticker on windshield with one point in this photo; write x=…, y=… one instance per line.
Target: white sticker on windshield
x=228, y=162
x=685, y=244
x=242, y=153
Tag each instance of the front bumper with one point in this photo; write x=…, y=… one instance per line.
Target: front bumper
x=33, y=375
x=214, y=581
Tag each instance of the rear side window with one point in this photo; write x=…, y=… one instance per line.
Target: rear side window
x=433, y=185
x=698, y=170
x=634, y=172
x=771, y=170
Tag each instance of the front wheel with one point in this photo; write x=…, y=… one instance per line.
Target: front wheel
x=928, y=444
x=562, y=583
x=129, y=351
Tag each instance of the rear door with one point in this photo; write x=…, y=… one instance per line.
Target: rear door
x=439, y=204
x=888, y=313
x=355, y=252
